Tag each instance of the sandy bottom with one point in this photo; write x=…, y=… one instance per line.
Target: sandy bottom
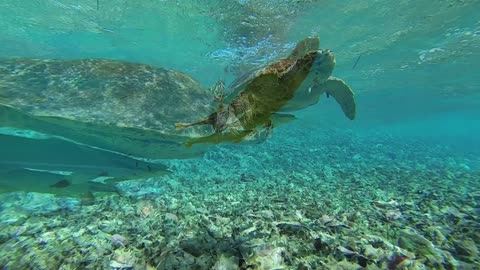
x=349, y=202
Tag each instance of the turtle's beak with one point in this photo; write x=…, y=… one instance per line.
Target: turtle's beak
x=323, y=65
x=324, y=57
x=320, y=57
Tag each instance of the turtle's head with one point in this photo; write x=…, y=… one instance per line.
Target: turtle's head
x=323, y=65
x=313, y=69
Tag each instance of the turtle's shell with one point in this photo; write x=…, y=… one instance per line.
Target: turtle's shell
x=104, y=103
x=277, y=84
x=301, y=49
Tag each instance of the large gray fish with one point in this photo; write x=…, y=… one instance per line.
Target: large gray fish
x=52, y=165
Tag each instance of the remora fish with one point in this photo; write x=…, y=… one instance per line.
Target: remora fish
x=53, y=165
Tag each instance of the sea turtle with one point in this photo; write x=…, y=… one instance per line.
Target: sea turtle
x=121, y=107
x=254, y=100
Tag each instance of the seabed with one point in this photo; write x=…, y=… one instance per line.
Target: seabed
x=351, y=202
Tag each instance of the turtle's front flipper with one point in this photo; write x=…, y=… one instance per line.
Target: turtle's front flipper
x=343, y=94
x=263, y=134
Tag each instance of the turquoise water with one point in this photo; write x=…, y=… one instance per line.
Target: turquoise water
x=396, y=188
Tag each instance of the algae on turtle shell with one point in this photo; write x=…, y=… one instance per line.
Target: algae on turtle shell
x=293, y=83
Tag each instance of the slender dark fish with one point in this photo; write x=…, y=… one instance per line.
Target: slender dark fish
x=356, y=62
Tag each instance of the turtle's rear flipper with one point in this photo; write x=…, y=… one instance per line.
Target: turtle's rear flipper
x=343, y=94
x=218, y=91
x=235, y=136
x=206, y=121
x=262, y=134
